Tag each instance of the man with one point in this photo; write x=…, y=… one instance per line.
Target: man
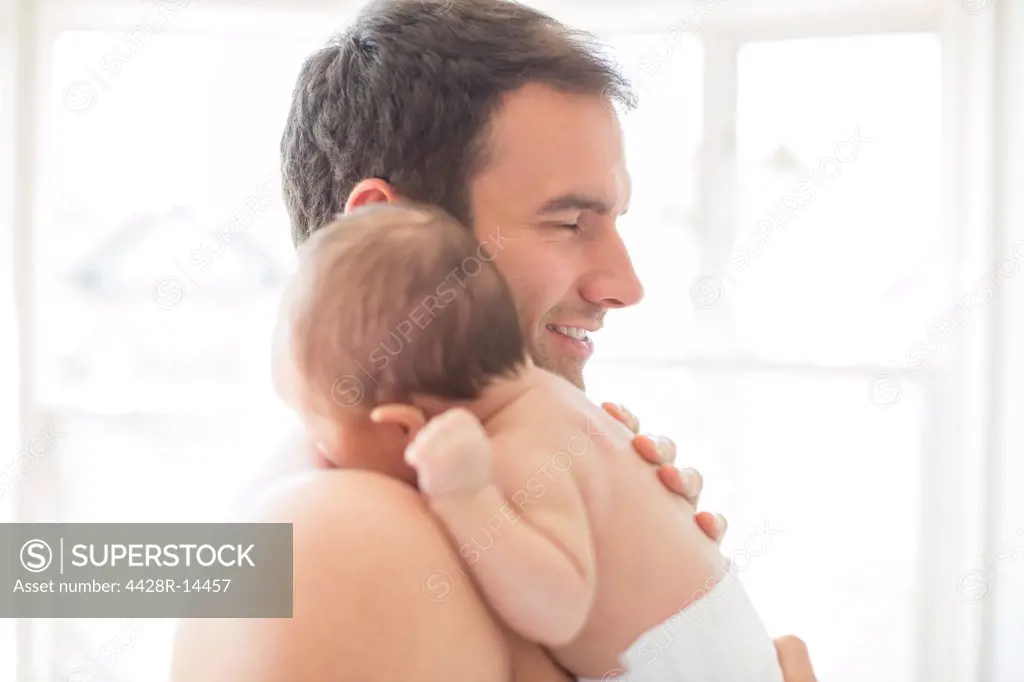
x=497, y=114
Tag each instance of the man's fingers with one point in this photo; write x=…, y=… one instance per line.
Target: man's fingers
x=669, y=477
x=794, y=659
x=685, y=482
x=623, y=415
x=661, y=450
x=647, y=448
x=713, y=525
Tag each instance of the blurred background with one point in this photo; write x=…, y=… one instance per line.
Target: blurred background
x=827, y=216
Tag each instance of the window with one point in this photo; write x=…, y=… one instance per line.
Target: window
x=662, y=138
x=839, y=253
x=775, y=295
x=161, y=211
x=165, y=211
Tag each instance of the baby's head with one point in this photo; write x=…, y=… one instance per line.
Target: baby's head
x=390, y=304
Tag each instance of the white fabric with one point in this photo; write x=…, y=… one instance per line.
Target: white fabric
x=719, y=638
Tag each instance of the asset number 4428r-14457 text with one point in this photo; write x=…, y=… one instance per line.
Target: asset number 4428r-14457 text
x=170, y=585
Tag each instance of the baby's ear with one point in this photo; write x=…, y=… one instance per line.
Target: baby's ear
x=406, y=417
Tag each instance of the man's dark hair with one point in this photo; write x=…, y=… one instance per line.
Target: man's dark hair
x=406, y=95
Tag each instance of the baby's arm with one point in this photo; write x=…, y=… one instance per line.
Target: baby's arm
x=536, y=567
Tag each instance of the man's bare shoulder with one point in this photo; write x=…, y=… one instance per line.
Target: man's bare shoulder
x=375, y=596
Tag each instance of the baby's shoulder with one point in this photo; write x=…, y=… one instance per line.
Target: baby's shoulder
x=535, y=407
x=541, y=420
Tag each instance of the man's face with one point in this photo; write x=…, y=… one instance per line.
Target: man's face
x=553, y=187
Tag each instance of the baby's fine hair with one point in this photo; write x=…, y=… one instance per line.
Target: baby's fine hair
x=391, y=301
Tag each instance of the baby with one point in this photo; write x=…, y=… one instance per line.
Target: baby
x=399, y=345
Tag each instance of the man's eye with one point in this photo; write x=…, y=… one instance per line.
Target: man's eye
x=555, y=225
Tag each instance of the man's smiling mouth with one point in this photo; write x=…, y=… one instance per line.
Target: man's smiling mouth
x=577, y=333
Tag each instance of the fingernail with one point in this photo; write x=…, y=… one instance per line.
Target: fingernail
x=722, y=524
x=662, y=445
x=691, y=484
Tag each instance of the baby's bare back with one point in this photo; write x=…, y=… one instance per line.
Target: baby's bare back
x=652, y=558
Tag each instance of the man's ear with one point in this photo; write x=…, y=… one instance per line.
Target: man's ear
x=370, y=191
x=406, y=417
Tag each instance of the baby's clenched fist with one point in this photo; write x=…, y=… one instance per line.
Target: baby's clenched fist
x=451, y=455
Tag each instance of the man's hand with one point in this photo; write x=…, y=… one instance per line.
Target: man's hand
x=451, y=455
x=661, y=452
x=794, y=660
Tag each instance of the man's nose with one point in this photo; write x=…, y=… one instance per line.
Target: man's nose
x=611, y=280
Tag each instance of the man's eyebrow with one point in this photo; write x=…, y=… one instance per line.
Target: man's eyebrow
x=574, y=201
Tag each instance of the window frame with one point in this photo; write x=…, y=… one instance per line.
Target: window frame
x=1003, y=623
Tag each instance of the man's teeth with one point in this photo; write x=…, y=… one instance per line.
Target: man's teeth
x=572, y=332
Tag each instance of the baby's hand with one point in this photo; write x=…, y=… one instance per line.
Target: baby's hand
x=451, y=455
